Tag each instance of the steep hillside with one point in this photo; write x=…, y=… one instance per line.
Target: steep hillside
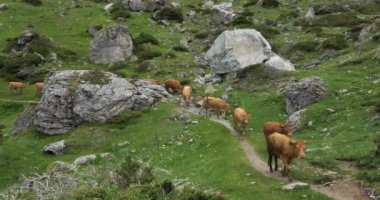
x=340, y=44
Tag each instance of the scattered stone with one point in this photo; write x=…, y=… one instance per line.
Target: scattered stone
x=182, y=75
x=106, y=155
x=164, y=22
x=224, y=14
x=108, y=8
x=24, y=120
x=123, y=143
x=3, y=6
x=310, y=15
x=113, y=44
x=208, y=79
x=295, y=120
x=55, y=148
x=303, y=93
x=276, y=63
x=294, y=185
x=330, y=110
x=84, y=159
x=194, y=122
x=184, y=42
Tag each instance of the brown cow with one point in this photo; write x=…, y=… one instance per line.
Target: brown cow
x=186, y=94
x=173, y=85
x=153, y=81
x=271, y=127
x=285, y=148
x=17, y=86
x=241, y=120
x=216, y=103
x=39, y=86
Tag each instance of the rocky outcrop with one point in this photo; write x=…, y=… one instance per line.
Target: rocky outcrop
x=24, y=120
x=235, y=50
x=110, y=45
x=84, y=159
x=93, y=29
x=55, y=148
x=295, y=120
x=300, y=94
x=224, y=13
x=74, y=97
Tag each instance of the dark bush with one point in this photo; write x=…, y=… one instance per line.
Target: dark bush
x=266, y=3
x=117, y=66
x=341, y=19
x=145, y=38
x=180, y=48
x=336, y=43
x=33, y=2
x=242, y=21
x=131, y=172
x=201, y=35
x=143, y=52
x=169, y=14
x=304, y=46
x=37, y=44
x=118, y=11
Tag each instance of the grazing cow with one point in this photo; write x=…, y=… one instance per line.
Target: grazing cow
x=17, y=86
x=173, y=85
x=186, y=94
x=39, y=86
x=285, y=148
x=153, y=81
x=241, y=120
x=216, y=103
x=271, y=127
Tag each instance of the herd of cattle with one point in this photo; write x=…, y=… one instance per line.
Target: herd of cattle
x=278, y=136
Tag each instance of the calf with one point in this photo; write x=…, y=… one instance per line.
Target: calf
x=39, y=86
x=17, y=86
x=173, y=85
x=186, y=94
x=216, y=103
x=285, y=148
x=271, y=127
x=241, y=120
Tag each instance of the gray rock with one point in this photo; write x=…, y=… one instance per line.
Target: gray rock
x=106, y=155
x=25, y=39
x=310, y=15
x=108, y=8
x=147, y=94
x=276, y=63
x=223, y=13
x=294, y=185
x=3, y=6
x=93, y=29
x=303, y=93
x=84, y=159
x=332, y=8
x=63, y=166
x=111, y=45
x=134, y=5
x=70, y=100
x=55, y=148
x=141, y=5
x=295, y=120
x=208, y=79
x=234, y=50
x=164, y=22
x=24, y=120
x=184, y=42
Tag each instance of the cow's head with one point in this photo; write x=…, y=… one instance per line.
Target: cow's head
x=299, y=147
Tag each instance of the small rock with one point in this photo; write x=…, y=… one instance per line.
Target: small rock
x=330, y=110
x=55, y=148
x=194, y=122
x=325, y=130
x=84, y=159
x=178, y=143
x=164, y=22
x=106, y=155
x=62, y=166
x=3, y=6
x=294, y=185
x=123, y=143
x=108, y=8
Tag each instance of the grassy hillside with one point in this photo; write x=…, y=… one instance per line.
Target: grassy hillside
x=205, y=153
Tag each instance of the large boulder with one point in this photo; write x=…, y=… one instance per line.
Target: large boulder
x=296, y=120
x=110, y=45
x=300, y=94
x=74, y=97
x=235, y=50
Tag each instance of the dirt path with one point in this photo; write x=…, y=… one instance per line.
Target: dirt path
x=18, y=101
x=348, y=189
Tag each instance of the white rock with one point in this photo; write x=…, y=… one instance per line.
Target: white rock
x=55, y=148
x=84, y=159
x=277, y=63
x=294, y=185
x=108, y=8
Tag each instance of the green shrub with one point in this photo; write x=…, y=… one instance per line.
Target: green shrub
x=118, y=11
x=340, y=19
x=143, y=52
x=266, y=3
x=336, y=43
x=367, y=8
x=304, y=46
x=88, y=192
x=9, y=65
x=267, y=31
x=201, y=35
x=145, y=38
x=180, y=48
x=33, y=2
x=193, y=194
x=167, y=13
x=170, y=55
x=242, y=21
x=131, y=172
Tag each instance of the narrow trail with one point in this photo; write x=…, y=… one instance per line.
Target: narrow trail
x=340, y=189
x=19, y=101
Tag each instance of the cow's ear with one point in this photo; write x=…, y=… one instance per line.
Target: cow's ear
x=293, y=142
